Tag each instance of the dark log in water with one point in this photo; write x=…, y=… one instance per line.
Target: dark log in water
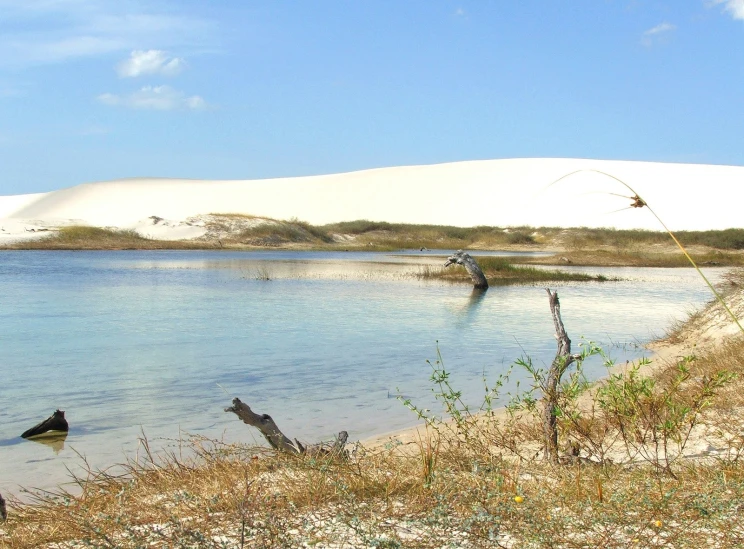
x=471, y=266
x=277, y=439
x=55, y=422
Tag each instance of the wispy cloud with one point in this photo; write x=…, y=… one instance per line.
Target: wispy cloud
x=656, y=33
x=150, y=62
x=658, y=29
x=159, y=98
x=52, y=31
x=734, y=7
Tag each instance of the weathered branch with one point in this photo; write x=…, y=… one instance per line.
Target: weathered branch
x=474, y=270
x=265, y=424
x=277, y=439
x=55, y=422
x=563, y=359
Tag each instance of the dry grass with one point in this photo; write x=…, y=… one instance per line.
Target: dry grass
x=96, y=238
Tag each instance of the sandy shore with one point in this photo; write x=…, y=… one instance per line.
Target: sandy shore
x=710, y=327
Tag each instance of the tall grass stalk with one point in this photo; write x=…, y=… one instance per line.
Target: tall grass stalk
x=638, y=202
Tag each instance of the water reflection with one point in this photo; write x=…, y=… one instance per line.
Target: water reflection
x=467, y=309
x=476, y=296
x=56, y=441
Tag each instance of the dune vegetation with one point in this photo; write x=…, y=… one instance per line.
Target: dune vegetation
x=78, y=237
x=574, y=246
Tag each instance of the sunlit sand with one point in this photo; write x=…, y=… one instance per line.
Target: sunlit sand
x=513, y=192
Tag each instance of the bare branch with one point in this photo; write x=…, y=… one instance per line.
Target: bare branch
x=265, y=424
x=474, y=270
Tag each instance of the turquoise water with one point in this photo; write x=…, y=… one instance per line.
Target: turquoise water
x=159, y=342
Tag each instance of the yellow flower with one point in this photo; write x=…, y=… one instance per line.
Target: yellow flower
x=657, y=523
x=518, y=499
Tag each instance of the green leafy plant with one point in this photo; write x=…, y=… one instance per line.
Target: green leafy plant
x=655, y=419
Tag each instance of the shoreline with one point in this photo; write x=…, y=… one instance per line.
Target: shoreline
x=708, y=328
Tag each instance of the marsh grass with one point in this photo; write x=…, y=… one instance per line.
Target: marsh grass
x=500, y=271
x=263, y=273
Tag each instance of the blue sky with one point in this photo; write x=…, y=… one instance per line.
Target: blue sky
x=102, y=89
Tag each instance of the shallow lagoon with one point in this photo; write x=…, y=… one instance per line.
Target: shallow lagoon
x=159, y=342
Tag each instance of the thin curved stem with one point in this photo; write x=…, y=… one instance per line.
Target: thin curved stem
x=638, y=202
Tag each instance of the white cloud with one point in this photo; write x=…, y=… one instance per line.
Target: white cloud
x=734, y=7
x=159, y=98
x=657, y=34
x=150, y=62
x=658, y=29
x=53, y=31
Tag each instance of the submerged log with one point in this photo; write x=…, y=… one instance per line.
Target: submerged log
x=278, y=440
x=471, y=266
x=55, y=422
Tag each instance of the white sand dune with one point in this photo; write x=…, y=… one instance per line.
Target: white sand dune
x=492, y=192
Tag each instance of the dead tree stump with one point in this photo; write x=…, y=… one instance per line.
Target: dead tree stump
x=278, y=440
x=563, y=359
x=471, y=266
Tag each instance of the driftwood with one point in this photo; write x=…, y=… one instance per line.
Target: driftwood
x=55, y=422
x=277, y=439
x=563, y=359
x=474, y=270
x=3, y=509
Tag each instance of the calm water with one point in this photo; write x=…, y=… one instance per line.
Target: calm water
x=131, y=342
